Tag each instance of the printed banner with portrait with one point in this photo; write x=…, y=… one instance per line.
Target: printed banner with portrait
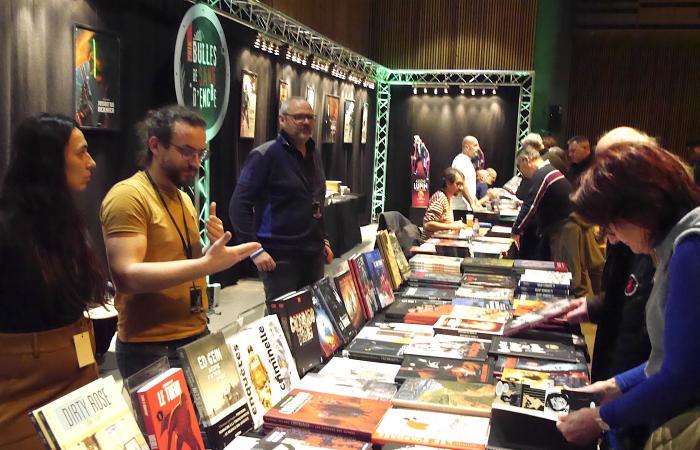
x=330, y=118
x=348, y=121
x=283, y=91
x=420, y=174
x=248, y=102
x=311, y=96
x=363, y=132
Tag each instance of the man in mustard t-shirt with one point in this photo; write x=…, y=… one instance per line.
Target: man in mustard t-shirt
x=152, y=239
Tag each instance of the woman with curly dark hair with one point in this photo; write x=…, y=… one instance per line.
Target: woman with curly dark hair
x=49, y=277
x=643, y=196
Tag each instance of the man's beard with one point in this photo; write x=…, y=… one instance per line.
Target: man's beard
x=180, y=177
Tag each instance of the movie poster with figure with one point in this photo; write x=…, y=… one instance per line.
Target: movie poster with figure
x=365, y=117
x=420, y=174
x=311, y=96
x=283, y=91
x=248, y=102
x=330, y=118
x=96, y=68
x=348, y=121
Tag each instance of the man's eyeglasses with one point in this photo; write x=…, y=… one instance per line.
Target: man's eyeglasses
x=299, y=118
x=190, y=153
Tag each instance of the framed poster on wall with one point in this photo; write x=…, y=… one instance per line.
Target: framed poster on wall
x=96, y=91
x=331, y=105
x=248, y=102
x=363, y=132
x=283, y=91
x=311, y=96
x=348, y=121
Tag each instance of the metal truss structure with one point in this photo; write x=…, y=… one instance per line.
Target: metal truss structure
x=275, y=25
x=524, y=80
x=381, y=148
x=199, y=192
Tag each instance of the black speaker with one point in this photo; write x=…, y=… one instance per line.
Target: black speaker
x=554, y=118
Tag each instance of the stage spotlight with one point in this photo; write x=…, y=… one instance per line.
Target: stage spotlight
x=473, y=93
x=415, y=91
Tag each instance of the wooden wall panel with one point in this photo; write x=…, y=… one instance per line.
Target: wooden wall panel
x=642, y=79
x=344, y=21
x=453, y=34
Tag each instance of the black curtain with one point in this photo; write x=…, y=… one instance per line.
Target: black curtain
x=442, y=121
x=36, y=45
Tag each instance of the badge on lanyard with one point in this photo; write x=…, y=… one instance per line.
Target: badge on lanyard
x=316, y=206
x=196, y=300
x=83, y=349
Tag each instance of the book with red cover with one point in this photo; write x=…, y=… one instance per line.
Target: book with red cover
x=348, y=292
x=428, y=313
x=335, y=414
x=168, y=414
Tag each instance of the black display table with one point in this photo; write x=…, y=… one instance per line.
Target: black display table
x=342, y=221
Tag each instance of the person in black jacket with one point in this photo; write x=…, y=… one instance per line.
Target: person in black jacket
x=546, y=203
x=580, y=157
x=278, y=201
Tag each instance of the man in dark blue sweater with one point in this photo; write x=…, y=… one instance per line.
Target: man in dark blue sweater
x=278, y=202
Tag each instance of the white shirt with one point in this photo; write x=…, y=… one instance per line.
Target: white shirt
x=463, y=163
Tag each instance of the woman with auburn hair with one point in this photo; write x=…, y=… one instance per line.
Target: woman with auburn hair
x=642, y=195
x=49, y=277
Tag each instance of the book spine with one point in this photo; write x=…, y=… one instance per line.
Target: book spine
x=540, y=285
x=148, y=420
x=50, y=436
x=374, y=357
x=291, y=423
x=44, y=433
x=194, y=387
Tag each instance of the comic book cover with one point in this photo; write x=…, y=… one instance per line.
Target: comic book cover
x=347, y=385
x=348, y=292
x=434, y=429
x=380, y=277
x=168, y=414
x=374, y=350
x=444, y=369
x=265, y=364
x=468, y=327
x=325, y=289
x=328, y=336
x=337, y=414
x=454, y=347
x=536, y=349
x=93, y=416
x=364, y=370
x=472, y=399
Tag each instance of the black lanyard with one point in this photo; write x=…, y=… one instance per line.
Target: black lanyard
x=187, y=247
